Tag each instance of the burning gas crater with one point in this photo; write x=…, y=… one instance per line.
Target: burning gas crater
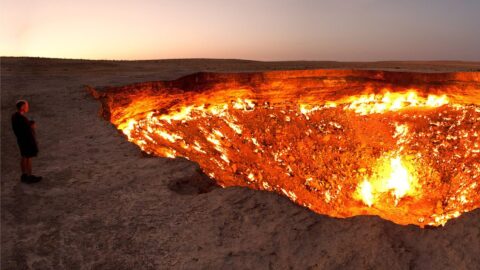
x=403, y=146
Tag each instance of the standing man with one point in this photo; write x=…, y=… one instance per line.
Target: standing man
x=24, y=130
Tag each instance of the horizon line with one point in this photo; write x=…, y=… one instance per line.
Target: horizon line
x=239, y=59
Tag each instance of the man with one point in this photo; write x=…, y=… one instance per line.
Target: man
x=24, y=130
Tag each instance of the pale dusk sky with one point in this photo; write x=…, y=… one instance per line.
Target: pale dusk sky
x=349, y=30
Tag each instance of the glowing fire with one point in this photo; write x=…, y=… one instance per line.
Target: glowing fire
x=393, y=178
x=400, y=179
x=365, y=192
x=380, y=103
x=407, y=156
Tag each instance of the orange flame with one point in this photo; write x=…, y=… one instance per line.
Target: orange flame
x=368, y=104
x=410, y=156
x=393, y=177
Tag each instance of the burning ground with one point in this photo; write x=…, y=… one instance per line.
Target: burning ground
x=404, y=146
x=105, y=205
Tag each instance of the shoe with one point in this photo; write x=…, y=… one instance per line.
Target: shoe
x=29, y=179
x=35, y=179
x=24, y=178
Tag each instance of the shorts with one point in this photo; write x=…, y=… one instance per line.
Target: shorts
x=28, y=149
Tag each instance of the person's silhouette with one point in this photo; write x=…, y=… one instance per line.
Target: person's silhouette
x=24, y=130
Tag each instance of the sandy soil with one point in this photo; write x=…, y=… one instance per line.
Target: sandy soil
x=104, y=205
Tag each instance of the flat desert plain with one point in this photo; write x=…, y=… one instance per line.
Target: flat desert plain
x=105, y=205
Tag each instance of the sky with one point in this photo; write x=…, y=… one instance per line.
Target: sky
x=338, y=30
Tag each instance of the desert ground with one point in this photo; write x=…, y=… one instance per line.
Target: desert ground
x=105, y=205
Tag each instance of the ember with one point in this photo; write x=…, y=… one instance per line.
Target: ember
x=403, y=146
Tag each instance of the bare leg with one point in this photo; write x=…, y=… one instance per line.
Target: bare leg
x=23, y=165
x=29, y=165
x=27, y=176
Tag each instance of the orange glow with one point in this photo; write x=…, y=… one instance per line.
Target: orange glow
x=392, y=178
x=400, y=180
x=365, y=192
x=342, y=148
x=367, y=104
